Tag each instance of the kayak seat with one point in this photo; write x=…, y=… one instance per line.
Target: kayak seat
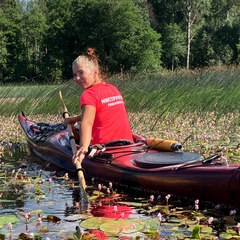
x=119, y=142
x=161, y=159
x=123, y=142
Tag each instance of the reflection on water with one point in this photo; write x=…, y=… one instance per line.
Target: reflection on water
x=37, y=199
x=20, y=172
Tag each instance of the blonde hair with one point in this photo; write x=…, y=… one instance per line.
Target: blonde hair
x=89, y=58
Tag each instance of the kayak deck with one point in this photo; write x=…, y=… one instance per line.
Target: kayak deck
x=180, y=173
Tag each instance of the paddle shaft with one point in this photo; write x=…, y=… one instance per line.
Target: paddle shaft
x=79, y=169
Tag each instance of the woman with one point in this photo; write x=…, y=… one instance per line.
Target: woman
x=104, y=117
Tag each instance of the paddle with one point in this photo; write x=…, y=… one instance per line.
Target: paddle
x=79, y=169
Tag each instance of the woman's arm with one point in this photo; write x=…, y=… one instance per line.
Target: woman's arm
x=73, y=120
x=88, y=116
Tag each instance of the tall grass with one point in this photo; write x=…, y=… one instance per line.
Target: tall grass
x=200, y=109
x=202, y=91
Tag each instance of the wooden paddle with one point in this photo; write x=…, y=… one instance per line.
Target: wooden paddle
x=82, y=182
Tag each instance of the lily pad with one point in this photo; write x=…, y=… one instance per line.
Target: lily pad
x=7, y=200
x=122, y=226
x=73, y=218
x=8, y=219
x=94, y=223
x=206, y=229
x=133, y=204
x=151, y=224
x=225, y=236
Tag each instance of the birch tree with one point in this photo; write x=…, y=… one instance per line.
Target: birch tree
x=194, y=11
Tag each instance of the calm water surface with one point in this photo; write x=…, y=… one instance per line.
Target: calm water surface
x=19, y=196
x=28, y=185
x=55, y=199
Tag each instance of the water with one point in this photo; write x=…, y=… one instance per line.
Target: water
x=28, y=185
x=19, y=196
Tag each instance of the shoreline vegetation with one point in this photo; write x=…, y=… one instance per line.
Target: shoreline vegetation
x=200, y=109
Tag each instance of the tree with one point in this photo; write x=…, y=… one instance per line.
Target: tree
x=3, y=46
x=189, y=15
x=57, y=41
x=120, y=33
x=194, y=11
x=174, y=45
x=34, y=29
x=216, y=42
x=11, y=39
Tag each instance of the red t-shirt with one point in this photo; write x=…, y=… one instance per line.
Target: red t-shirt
x=111, y=120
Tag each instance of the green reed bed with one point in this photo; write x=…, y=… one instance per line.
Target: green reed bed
x=200, y=109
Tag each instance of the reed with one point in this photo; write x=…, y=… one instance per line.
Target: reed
x=198, y=108
x=186, y=91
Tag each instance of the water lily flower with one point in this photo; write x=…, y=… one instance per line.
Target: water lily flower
x=115, y=208
x=110, y=185
x=9, y=226
x=238, y=227
x=108, y=190
x=218, y=206
x=210, y=220
x=13, y=171
x=27, y=216
x=151, y=198
x=232, y=213
x=167, y=197
x=66, y=177
x=196, y=204
x=39, y=221
x=159, y=216
x=31, y=235
x=99, y=187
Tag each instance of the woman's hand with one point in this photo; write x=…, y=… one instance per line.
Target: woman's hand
x=80, y=154
x=68, y=121
x=72, y=120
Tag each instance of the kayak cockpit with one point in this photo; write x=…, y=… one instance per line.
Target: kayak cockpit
x=179, y=159
x=160, y=159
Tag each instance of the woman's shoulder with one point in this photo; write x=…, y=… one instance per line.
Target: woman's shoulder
x=102, y=88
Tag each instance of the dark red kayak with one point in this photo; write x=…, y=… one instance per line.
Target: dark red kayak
x=135, y=164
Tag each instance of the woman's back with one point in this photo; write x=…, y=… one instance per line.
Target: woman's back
x=111, y=120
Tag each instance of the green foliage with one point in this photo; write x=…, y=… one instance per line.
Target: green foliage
x=8, y=219
x=41, y=38
x=174, y=45
x=120, y=33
